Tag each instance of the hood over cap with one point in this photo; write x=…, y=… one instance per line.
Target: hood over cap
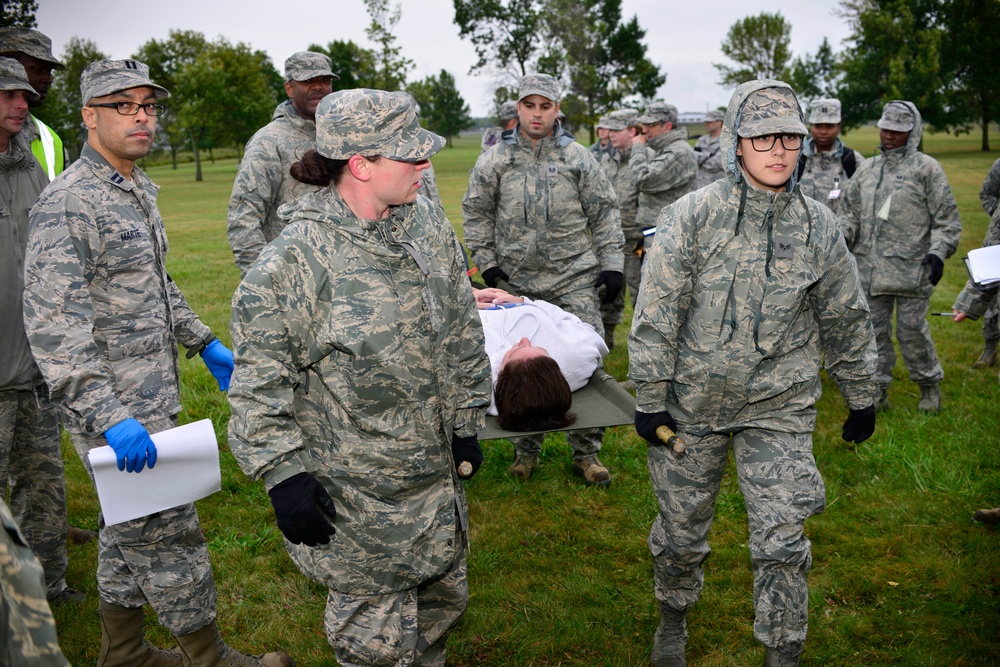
x=894, y=112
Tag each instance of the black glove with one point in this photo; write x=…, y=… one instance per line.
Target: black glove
x=493, y=274
x=646, y=424
x=860, y=424
x=613, y=282
x=300, y=503
x=937, y=267
x=467, y=450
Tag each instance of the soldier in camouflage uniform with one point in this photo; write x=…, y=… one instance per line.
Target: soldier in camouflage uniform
x=428, y=181
x=709, y=155
x=622, y=126
x=603, y=145
x=263, y=183
x=27, y=629
x=541, y=216
x=747, y=283
x=663, y=163
x=508, y=119
x=104, y=318
x=30, y=451
x=361, y=381
x=989, y=195
x=901, y=222
x=826, y=164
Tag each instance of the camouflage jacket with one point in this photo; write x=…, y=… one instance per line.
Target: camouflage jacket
x=358, y=353
x=824, y=172
x=547, y=216
x=599, y=151
x=616, y=167
x=21, y=181
x=102, y=315
x=491, y=137
x=263, y=182
x=28, y=631
x=989, y=194
x=709, y=156
x=429, y=186
x=665, y=169
x=974, y=301
x=896, y=209
x=734, y=313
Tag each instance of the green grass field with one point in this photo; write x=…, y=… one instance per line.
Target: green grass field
x=560, y=574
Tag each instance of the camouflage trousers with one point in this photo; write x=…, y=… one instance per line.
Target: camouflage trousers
x=585, y=442
x=611, y=313
x=991, y=322
x=404, y=628
x=160, y=559
x=27, y=629
x=782, y=487
x=31, y=459
x=914, y=336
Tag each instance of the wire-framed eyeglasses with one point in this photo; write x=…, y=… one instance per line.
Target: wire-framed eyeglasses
x=765, y=142
x=132, y=108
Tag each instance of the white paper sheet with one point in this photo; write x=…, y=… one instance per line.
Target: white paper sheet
x=984, y=264
x=187, y=469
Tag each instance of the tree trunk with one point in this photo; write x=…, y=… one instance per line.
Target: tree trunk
x=197, y=157
x=173, y=156
x=986, y=133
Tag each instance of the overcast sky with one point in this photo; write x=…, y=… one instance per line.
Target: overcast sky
x=683, y=38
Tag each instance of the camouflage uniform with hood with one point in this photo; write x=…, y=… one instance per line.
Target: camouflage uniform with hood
x=898, y=211
x=743, y=290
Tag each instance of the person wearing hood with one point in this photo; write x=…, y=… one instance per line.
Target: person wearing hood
x=361, y=381
x=263, y=182
x=748, y=283
x=542, y=217
x=826, y=164
x=901, y=222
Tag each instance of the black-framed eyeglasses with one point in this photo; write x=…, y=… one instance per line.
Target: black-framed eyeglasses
x=132, y=108
x=764, y=143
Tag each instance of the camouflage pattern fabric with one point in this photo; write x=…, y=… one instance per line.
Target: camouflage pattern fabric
x=914, y=336
x=709, y=156
x=616, y=166
x=782, y=487
x=535, y=83
x=824, y=173
x=29, y=42
x=408, y=627
x=989, y=194
x=665, y=169
x=973, y=301
x=31, y=457
x=104, y=77
x=491, y=137
x=27, y=629
x=429, y=186
x=359, y=352
x=733, y=316
x=599, y=150
x=263, y=183
x=104, y=319
x=547, y=216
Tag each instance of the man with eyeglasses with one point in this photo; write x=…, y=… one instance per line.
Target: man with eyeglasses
x=103, y=318
x=901, y=222
x=264, y=182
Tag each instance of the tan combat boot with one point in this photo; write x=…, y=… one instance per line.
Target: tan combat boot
x=524, y=466
x=989, y=356
x=123, y=643
x=989, y=517
x=592, y=471
x=930, y=398
x=207, y=648
x=670, y=639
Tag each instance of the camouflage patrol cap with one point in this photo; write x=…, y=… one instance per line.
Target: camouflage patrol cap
x=659, y=112
x=306, y=65
x=508, y=110
x=538, y=84
x=104, y=77
x=13, y=77
x=772, y=110
x=715, y=115
x=602, y=123
x=824, y=110
x=622, y=119
x=372, y=122
x=29, y=42
x=896, y=117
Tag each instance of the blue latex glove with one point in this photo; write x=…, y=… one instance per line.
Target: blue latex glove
x=132, y=444
x=219, y=360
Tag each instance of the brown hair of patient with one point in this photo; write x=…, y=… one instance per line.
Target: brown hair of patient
x=533, y=395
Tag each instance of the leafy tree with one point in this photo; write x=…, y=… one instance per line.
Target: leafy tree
x=165, y=59
x=970, y=51
x=508, y=35
x=18, y=14
x=442, y=107
x=500, y=95
x=61, y=109
x=391, y=67
x=815, y=76
x=759, y=47
x=355, y=65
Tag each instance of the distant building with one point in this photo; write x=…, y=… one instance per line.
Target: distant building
x=690, y=117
